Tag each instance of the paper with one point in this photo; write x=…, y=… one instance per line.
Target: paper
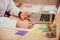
x=21, y=32
x=34, y=27
x=7, y=22
x=37, y=31
x=43, y=29
x=34, y=9
x=51, y=9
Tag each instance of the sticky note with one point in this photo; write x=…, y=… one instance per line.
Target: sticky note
x=43, y=29
x=21, y=32
x=28, y=5
x=45, y=11
x=37, y=31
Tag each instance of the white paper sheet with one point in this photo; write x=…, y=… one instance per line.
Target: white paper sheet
x=7, y=23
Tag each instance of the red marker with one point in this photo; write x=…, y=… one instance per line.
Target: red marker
x=29, y=5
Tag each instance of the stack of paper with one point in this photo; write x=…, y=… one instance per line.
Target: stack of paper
x=7, y=22
x=50, y=9
x=33, y=9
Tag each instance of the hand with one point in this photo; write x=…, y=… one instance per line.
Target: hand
x=25, y=15
x=25, y=24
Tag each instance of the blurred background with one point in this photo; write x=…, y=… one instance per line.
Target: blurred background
x=50, y=2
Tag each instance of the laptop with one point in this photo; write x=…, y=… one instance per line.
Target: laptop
x=38, y=17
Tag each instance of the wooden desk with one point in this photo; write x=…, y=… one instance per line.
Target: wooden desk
x=58, y=24
x=9, y=34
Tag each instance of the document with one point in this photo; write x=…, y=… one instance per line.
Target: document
x=33, y=8
x=51, y=9
x=7, y=22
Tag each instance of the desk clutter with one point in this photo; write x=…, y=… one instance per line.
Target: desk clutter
x=37, y=8
x=46, y=15
x=39, y=12
x=36, y=29
x=49, y=9
x=50, y=30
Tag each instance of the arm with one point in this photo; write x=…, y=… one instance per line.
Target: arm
x=16, y=11
x=12, y=8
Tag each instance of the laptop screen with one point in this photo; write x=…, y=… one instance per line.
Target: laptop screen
x=45, y=16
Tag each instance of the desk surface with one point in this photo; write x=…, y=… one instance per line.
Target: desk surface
x=9, y=34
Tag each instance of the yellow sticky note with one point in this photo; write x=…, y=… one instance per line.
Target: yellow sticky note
x=37, y=31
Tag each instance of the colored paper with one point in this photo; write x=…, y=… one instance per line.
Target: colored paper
x=28, y=5
x=43, y=29
x=37, y=31
x=21, y=32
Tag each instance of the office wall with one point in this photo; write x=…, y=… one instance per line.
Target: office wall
x=37, y=1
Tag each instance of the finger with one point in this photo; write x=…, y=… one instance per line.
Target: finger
x=32, y=23
x=26, y=17
x=22, y=17
x=26, y=13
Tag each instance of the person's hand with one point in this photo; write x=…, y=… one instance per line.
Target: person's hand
x=25, y=15
x=25, y=24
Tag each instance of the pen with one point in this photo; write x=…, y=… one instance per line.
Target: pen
x=28, y=19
